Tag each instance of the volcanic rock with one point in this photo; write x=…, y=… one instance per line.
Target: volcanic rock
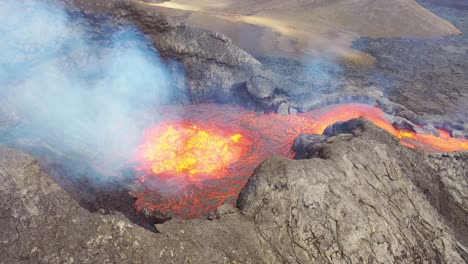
x=214, y=67
x=307, y=146
x=427, y=77
x=354, y=126
x=403, y=124
x=226, y=209
x=450, y=3
x=283, y=109
x=261, y=89
x=423, y=81
x=368, y=200
x=41, y=223
x=211, y=66
x=356, y=195
x=429, y=129
x=448, y=191
x=361, y=204
x=459, y=134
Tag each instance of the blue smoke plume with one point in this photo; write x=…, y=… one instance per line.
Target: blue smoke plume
x=73, y=89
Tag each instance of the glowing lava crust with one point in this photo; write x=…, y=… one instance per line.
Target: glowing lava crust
x=201, y=156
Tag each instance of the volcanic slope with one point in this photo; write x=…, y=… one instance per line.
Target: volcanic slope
x=362, y=197
x=297, y=28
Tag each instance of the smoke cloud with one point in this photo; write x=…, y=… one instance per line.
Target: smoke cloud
x=75, y=90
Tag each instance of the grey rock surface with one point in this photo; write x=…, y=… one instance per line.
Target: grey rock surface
x=449, y=190
x=360, y=204
x=262, y=90
x=214, y=68
x=307, y=146
x=283, y=108
x=427, y=77
x=41, y=223
x=369, y=200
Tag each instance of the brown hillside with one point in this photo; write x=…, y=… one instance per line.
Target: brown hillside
x=297, y=28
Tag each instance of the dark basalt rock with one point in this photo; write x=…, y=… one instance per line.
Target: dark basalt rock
x=354, y=126
x=262, y=90
x=369, y=200
x=403, y=124
x=456, y=4
x=363, y=202
x=214, y=68
x=428, y=77
x=307, y=146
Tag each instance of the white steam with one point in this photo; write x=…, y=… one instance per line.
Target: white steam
x=79, y=91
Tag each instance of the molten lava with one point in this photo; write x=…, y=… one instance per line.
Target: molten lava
x=209, y=150
x=185, y=149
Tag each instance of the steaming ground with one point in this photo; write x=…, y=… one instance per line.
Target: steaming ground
x=73, y=89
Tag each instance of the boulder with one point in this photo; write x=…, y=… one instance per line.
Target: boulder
x=307, y=146
x=261, y=89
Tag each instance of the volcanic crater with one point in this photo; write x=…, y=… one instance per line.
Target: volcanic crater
x=155, y=140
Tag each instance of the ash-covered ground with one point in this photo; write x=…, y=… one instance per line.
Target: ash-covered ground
x=358, y=196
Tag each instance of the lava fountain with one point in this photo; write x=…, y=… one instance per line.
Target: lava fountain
x=200, y=156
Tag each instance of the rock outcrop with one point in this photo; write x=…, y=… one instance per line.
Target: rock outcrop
x=359, y=200
x=213, y=67
x=365, y=199
x=41, y=223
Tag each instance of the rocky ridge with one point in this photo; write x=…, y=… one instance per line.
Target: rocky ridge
x=212, y=67
x=365, y=198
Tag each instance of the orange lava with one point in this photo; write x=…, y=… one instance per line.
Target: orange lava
x=187, y=150
x=215, y=148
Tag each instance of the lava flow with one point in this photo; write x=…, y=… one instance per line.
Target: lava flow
x=201, y=156
x=190, y=151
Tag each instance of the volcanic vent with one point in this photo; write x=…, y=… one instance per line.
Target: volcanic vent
x=185, y=160
x=200, y=156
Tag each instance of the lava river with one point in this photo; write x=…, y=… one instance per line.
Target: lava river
x=200, y=156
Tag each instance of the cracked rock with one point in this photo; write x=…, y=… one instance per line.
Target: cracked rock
x=361, y=203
